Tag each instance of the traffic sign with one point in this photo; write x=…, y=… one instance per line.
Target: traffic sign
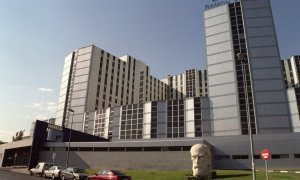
x=265, y=154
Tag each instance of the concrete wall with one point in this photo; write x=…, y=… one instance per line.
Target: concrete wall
x=123, y=160
x=232, y=146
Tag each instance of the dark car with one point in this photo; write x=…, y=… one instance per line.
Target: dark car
x=109, y=174
x=74, y=173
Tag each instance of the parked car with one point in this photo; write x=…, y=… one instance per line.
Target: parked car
x=40, y=168
x=74, y=174
x=109, y=174
x=53, y=172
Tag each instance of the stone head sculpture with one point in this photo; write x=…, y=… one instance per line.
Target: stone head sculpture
x=201, y=157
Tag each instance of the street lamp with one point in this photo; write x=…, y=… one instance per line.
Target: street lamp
x=242, y=58
x=70, y=133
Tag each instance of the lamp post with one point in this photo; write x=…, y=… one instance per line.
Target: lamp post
x=241, y=57
x=70, y=134
x=15, y=156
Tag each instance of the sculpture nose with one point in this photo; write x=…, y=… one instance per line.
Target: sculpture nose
x=197, y=159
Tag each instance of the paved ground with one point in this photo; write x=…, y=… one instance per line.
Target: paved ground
x=11, y=175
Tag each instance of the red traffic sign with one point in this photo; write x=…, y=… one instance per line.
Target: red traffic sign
x=265, y=154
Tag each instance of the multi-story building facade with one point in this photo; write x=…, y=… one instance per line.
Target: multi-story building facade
x=116, y=98
x=192, y=83
x=245, y=79
x=154, y=119
x=94, y=79
x=243, y=76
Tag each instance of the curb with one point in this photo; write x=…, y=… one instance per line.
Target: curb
x=282, y=171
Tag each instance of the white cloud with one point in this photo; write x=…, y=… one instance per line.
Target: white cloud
x=41, y=117
x=7, y=132
x=51, y=103
x=42, y=110
x=36, y=104
x=51, y=106
x=45, y=89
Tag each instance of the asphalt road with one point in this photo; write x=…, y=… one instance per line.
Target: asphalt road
x=9, y=175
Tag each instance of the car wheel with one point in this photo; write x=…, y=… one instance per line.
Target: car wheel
x=53, y=176
x=74, y=178
x=30, y=173
x=62, y=177
x=44, y=175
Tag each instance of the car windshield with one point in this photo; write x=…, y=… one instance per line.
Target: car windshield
x=118, y=173
x=77, y=170
x=100, y=172
x=59, y=167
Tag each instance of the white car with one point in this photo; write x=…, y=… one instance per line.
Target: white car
x=53, y=172
x=40, y=168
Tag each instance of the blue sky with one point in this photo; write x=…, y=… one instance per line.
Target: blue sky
x=35, y=37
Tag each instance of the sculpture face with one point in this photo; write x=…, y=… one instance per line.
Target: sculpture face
x=201, y=158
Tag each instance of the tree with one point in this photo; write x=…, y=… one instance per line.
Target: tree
x=19, y=135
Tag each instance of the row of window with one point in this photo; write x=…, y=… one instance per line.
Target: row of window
x=197, y=117
x=190, y=83
x=175, y=126
x=166, y=148
x=273, y=156
x=242, y=68
x=131, y=120
x=120, y=149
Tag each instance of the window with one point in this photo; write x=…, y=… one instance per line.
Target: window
x=221, y=157
x=117, y=149
x=152, y=148
x=86, y=149
x=280, y=156
x=134, y=149
x=240, y=157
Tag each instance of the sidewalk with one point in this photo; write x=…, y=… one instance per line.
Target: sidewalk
x=19, y=169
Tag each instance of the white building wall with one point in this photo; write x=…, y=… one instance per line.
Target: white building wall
x=78, y=98
x=221, y=76
x=147, y=121
x=294, y=70
x=189, y=118
x=63, y=90
x=294, y=112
